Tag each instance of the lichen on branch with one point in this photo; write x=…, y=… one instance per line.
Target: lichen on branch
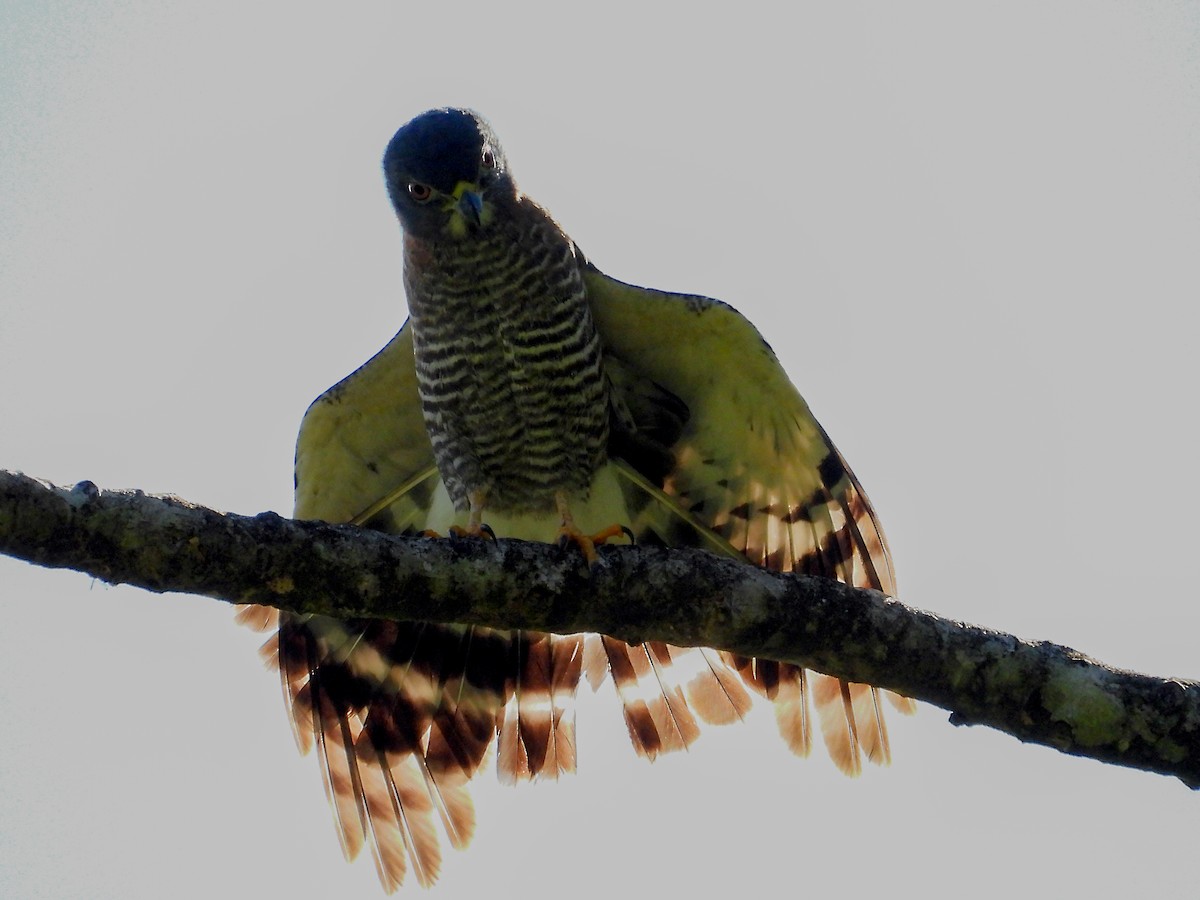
x=1036, y=691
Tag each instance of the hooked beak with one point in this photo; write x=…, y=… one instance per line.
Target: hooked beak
x=470, y=204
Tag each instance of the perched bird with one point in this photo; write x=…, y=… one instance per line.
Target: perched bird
x=533, y=396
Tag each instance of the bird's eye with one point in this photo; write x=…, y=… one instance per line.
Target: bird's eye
x=419, y=192
x=489, y=159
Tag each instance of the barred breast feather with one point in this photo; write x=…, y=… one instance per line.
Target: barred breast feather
x=508, y=363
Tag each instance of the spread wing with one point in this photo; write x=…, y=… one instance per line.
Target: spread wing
x=402, y=714
x=750, y=463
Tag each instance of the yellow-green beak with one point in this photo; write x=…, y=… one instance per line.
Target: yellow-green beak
x=469, y=202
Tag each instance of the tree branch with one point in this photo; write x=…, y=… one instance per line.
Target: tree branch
x=1036, y=691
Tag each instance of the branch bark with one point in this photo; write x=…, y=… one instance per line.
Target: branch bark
x=1036, y=691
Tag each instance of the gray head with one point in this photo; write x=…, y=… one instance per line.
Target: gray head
x=444, y=171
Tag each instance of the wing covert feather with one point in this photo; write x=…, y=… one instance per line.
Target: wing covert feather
x=754, y=465
x=364, y=438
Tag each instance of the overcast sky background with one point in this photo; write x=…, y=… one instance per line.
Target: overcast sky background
x=971, y=232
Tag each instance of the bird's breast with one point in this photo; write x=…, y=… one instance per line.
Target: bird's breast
x=509, y=371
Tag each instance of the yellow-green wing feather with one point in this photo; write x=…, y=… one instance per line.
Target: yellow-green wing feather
x=363, y=440
x=753, y=465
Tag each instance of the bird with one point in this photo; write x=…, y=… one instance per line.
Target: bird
x=529, y=395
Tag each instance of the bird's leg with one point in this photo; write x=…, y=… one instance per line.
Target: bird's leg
x=568, y=533
x=475, y=525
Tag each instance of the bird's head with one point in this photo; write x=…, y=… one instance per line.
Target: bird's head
x=445, y=172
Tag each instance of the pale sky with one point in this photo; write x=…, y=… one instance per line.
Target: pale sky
x=970, y=231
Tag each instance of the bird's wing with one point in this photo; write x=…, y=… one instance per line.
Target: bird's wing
x=751, y=464
x=402, y=714
x=363, y=440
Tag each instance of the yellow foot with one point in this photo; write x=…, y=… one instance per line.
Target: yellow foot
x=477, y=530
x=587, y=543
x=475, y=527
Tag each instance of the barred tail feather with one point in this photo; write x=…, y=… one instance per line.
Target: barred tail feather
x=567, y=654
x=678, y=714
x=512, y=761
x=406, y=807
x=655, y=709
x=388, y=848
x=470, y=694
x=873, y=733
x=532, y=692
x=455, y=809
x=714, y=691
x=792, y=714
x=339, y=764
x=257, y=618
x=537, y=726
x=835, y=709
x=292, y=657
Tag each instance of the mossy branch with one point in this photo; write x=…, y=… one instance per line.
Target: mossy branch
x=1036, y=691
